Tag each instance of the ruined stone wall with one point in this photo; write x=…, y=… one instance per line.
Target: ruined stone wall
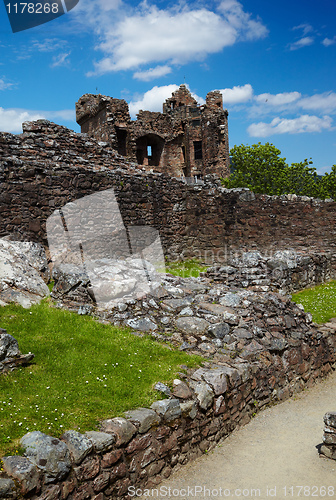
x=49, y=166
x=185, y=140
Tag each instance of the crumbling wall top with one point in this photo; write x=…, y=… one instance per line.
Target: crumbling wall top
x=181, y=97
x=89, y=105
x=214, y=100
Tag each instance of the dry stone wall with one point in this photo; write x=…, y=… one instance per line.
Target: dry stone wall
x=48, y=166
x=284, y=270
x=260, y=348
x=144, y=446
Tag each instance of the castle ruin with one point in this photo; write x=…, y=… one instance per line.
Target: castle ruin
x=186, y=139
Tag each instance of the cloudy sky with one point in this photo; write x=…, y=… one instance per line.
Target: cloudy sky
x=275, y=63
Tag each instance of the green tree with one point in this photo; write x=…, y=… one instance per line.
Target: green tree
x=258, y=167
x=300, y=179
x=328, y=184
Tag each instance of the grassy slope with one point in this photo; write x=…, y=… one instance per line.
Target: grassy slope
x=83, y=371
x=320, y=301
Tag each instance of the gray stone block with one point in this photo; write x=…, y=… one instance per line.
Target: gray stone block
x=168, y=409
x=143, y=418
x=101, y=440
x=48, y=453
x=7, y=489
x=79, y=445
x=330, y=418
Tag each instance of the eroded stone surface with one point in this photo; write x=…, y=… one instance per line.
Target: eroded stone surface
x=48, y=453
x=143, y=418
x=101, y=440
x=120, y=427
x=79, y=445
x=168, y=409
x=23, y=470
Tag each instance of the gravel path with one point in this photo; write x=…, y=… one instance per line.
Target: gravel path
x=275, y=454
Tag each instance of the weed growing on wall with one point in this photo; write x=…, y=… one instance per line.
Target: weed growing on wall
x=186, y=269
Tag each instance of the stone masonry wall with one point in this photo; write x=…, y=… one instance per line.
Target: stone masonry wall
x=278, y=353
x=48, y=166
x=146, y=445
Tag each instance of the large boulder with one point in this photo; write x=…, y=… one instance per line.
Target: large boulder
x=22, y=265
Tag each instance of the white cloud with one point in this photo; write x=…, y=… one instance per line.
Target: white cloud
x=302, y=124
x=11, y=119
x=177, y=35
x=60, y=60
x=303, y=42
x=278, y=99
x=305, y=27
x=325, y=102
x=5, y=85
x=329, y=41
x=238, y=94
x=153, y=99
x=152, y=73
x=47, y=45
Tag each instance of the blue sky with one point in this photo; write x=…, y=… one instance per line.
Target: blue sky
x=275, y=63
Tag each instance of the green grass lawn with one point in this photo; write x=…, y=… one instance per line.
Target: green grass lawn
x=320, y=301
x=186, y=269
x=83, y=372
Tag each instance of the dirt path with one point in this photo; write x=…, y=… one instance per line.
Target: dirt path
x=274, y=454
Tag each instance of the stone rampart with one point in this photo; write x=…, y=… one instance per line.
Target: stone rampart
x=48, y=166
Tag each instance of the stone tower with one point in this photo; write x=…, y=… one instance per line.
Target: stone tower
x=186, y=139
